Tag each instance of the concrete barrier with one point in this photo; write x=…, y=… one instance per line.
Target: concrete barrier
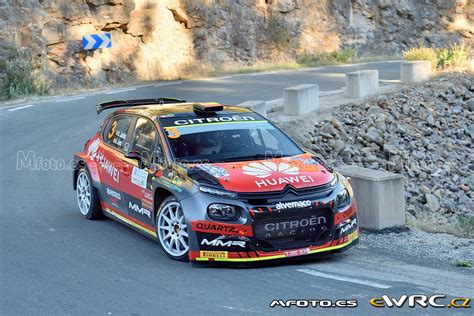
x=360, y=84
x=415, y=71
x=256, y=105
x=301, y=99
x=380, y=196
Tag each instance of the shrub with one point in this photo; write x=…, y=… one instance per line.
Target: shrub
x=462, y=263
x=455, y=55
x=422, y=53
x=18, y=78
x=326, y=58
x=466, y=225
x=278, y=33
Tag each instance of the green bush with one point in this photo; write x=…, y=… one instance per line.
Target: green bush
x=462, y=263
x=454, y=56
x=18, y=78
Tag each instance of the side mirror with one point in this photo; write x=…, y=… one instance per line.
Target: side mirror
x=137, y=156
x=134, y=155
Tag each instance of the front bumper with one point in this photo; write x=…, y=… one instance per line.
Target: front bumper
x=340, y=244
x=218, y=241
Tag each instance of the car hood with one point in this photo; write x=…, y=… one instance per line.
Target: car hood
x=300, y=171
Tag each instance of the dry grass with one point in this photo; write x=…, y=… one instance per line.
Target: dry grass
x=422, y=53
x=452, y=57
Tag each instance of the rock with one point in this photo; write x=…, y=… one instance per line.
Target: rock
x=457, y=109
x=425, y=189
x=335, y=122
x=470, y=104
x=373, y=135
x=339, y=146
x=432, y=202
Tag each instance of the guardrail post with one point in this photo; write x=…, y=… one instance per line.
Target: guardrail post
x=301, y=99
x=415, y=71
x=360, y=84
x=256, y=105
x=380, y=196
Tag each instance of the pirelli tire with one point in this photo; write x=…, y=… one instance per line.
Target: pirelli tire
x=172, y=230
x=87, y=196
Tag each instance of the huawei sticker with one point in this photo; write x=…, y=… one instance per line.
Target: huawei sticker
x=267, y=168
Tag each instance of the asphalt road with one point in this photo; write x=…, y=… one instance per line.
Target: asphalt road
x=55, y=262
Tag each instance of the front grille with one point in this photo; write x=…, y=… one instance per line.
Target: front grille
x=292, y=229
x=255, y=198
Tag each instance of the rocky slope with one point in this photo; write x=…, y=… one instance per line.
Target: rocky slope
x=160, y=39
x=424, y=132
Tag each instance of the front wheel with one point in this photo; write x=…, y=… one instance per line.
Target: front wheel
x=87, y=196
x=172, y=230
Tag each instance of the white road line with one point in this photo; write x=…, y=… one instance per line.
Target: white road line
x=67, y=100
x=21, y=107
x=264, y=73
x=276, y=100
x=331, y=92
x=310, y=69
x=216, y=78
x=120, y=91
x=344, y=279
x=167, y=84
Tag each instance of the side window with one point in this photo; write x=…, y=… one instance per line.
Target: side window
x=116, y=130
x=144, y=138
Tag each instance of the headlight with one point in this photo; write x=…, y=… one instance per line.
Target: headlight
x=343, y=198
x=217, y=192
x=223, y=212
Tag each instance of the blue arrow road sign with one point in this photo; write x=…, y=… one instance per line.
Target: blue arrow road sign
x=95, y=41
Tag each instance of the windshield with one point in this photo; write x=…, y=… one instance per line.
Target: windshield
x=224, y=138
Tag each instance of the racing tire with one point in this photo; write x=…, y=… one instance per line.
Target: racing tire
x=171, y=229
x=87, y=196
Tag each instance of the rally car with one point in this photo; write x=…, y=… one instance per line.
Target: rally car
x=211, y=182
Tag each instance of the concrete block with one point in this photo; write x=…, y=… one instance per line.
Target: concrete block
x=301, y=99
x=380, y=196
x=415, y=71
x=360, y=84
x=256, y=105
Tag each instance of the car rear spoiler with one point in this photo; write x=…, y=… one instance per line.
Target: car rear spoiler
x=123, y=103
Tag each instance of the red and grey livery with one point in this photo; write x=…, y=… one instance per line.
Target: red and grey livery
x=212, y=183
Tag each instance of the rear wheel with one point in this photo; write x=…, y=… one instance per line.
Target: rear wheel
x=172, y=229
x=87, y=196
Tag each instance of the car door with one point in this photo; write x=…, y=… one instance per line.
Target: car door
x=109, y=157
x=136, y=186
